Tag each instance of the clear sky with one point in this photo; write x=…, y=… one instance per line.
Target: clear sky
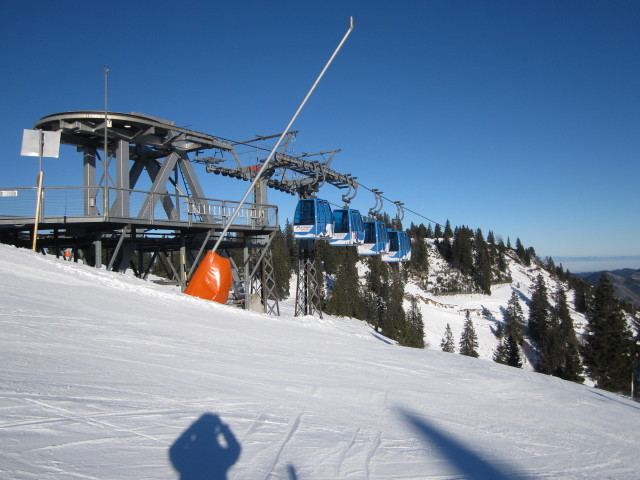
x=521, y=117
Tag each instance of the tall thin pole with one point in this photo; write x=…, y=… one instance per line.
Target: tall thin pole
x=39, y=192
x=273, y=151
x=105, y=162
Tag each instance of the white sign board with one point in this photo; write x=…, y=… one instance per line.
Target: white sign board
x=31, y=143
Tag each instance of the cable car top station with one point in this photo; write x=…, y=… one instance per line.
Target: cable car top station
x=108, y=218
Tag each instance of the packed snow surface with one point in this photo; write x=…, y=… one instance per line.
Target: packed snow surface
x=107, y=376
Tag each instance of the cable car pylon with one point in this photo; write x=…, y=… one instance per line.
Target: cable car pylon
x=308, y=301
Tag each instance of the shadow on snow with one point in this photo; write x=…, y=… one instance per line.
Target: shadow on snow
x=468, y=463
x=205, y=450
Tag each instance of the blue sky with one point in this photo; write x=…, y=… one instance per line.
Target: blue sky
x=521, y=117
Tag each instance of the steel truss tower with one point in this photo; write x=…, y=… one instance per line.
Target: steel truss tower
x=262, y=278
x=308, y=300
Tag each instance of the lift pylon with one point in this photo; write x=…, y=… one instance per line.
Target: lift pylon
x=262, y=279
x=308, y=301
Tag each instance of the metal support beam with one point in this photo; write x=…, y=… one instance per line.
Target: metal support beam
x=98, y=251
x=191, y=179
x=121, y=205
x=196, y=260
x=118, y=246
x=89, y=182
x=152, y=262
x=308, y=301
x=183, y=264
x=127, y=249
x=246, y=274
x=158, y=189
x=268, y=284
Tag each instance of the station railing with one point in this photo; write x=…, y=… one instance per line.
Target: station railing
x=91, y=204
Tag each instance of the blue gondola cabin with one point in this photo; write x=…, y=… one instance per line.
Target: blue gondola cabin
x=399, y=247
x=313, y=219
x=348, y=227
x=376, y=239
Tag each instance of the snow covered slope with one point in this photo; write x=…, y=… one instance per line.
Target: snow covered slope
x=101, y=374
x=486, y=311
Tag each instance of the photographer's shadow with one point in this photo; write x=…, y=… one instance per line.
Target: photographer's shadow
x=206, y=450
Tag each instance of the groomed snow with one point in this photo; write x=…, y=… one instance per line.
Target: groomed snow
x=102, y=373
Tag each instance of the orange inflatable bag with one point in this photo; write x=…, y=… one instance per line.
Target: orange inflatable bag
x=212, y=280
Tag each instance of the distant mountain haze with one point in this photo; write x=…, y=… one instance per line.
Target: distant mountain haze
x=626, y=283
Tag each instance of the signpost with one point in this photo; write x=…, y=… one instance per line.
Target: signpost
x=36, y=143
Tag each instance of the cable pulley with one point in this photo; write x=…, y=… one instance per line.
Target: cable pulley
x=378, y=206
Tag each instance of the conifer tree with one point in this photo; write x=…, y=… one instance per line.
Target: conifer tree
x=327, y=256
x=414, y=335
x=513, y=352
x=561, y=273
x=469, y=339
x=461, y=250
x=550, y=265
x=444, y=245
x=520, y=251
x=447, y=344
x=500, y=353
x=448, y=233
x=539, y=311
x=500, y=259
x=281, y=264
x=292, y=246
x=499, y=333
x=570, y=367
x=419, y=255
x=551, y=347
x=514, y=319
x=429, y=232
x=608, y=343
x=395, y=323
x=345, y=297
x=529, y=256
x=582, y=294
x=636, y=363
x=482, y=264
x=378, y=287
x=369, y=308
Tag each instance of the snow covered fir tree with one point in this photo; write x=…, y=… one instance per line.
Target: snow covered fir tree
x=476, y=295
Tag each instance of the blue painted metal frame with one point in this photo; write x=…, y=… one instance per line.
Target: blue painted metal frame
x=376, y=239
x=348, y=227
x=313, y=219
x=399, y=247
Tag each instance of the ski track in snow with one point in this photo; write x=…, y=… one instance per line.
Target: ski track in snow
x=101, y=373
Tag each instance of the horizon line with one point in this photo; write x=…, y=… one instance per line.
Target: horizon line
x=596, y=257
